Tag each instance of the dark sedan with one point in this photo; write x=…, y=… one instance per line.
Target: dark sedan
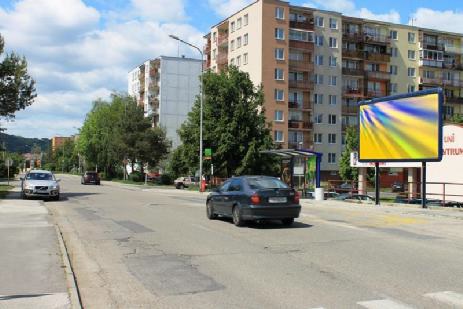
x=90, y=177
x=254, y=198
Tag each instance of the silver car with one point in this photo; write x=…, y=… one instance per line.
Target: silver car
x=39, y=183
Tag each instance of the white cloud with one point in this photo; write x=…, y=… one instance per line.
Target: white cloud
x=225, y=8
x=442, y=20
x=160, y=10
x=348, y=7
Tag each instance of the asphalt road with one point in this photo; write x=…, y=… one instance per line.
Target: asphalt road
x=132, y=247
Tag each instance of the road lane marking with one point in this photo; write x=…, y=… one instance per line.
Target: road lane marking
x=447, y=297
x=382, y=304
x=338, y=224
x=203, y=227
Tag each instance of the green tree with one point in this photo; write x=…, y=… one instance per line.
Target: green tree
x=17, y=88
x=65, y=157
x=457, y=118
x=234, y=128
x=352, y=144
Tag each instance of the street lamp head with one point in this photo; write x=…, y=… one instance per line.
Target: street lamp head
x=174, y=37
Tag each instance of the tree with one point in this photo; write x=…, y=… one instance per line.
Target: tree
x=352, y=144
x=457, y=118
x=17, y=88
x=234, y=128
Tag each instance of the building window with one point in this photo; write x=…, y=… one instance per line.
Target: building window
x=278, y=136
x=411, y=55
x=318, y=98
x=393, y=70
x=279, y=74
x=245, y=39
x=278, y=115
x=318, y=138
x=238, y=23
x=411, y=72
x=411, y=88
x=393, y=34
x=279, y=95
x=232, y=61
x=279, y=33
x=245, y=58
x=333, y=23
x=332, y=99
x=238, y=61
x=279, y=13
x=318, y=118
x=232, y=26
x=245, y=19
x=333, y=61
x=318, y=79
x=232, y=45
x=319, y=40
x=411, y=37
x=319, y=21
x=332, y=80
x=279, y=53
x=214, y=54
x=297, y=35
x=394, y=52
x=393, y=88
x=331, y=158
x=238, y=42
x=332, y=138
x=333, y=42
x=332, y=119
x=319, y=59
x=214, y=37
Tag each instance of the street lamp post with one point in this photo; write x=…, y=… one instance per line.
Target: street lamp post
x=200, y=108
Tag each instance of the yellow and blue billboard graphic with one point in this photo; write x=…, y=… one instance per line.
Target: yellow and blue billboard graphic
x=401, y=128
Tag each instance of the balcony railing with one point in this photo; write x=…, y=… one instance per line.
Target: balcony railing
x=376, y=93
x=454, y=100
x=376, y=38
x=301, y=84
x=452, y=66
x=433, y=46
x=353, y=72
x=378, y=75
x=431, y=63
x=305, y=25
x=301, y=45
x=300, y=124
x=349, y=109
x=302, y=65
x=381, y=57
x=357, y=54
x=222, y=58
x=353, y=91
x=432, y=81
x=305, y=104
x=452, y=82
x=352, y=37
x=222, y=40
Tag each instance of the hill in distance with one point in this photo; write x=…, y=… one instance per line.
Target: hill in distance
x=21, y=144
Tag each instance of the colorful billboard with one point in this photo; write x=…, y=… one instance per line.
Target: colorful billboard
x=401, y=128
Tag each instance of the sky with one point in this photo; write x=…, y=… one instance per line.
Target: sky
x=81, y=50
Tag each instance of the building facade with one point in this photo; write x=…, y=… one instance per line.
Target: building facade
x=166, y=88
x=316, y=65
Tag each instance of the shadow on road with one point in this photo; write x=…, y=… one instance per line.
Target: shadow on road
x=64, y=196
x=269, y=224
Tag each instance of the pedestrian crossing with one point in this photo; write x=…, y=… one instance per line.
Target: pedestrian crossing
x=443, y=299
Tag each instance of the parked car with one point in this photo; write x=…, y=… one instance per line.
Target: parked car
x=397, y=187
x=254, y=198
x=40, y=183
x=331, y=195
x=355, y=197
x=345, y=187
x=90, y=177
x=185, y=182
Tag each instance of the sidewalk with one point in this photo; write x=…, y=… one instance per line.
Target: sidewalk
x=32, y=269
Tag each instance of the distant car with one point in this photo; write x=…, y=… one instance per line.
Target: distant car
x=90, y=177
x=185, y=182
x=355, y=197
x=40, y=183
x=397, y=187
x=254, y=198
x=345, y=187
x=331, y=195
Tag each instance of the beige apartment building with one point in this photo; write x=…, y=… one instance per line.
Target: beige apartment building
x=316, y=65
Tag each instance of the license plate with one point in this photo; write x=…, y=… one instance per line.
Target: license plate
x=277, y=199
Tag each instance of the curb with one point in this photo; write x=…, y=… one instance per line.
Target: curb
x=70, y=278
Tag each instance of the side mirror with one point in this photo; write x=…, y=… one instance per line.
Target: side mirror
x=58, y=180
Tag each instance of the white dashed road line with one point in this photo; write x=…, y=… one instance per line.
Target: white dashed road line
x=447, y=297
x=383, y=304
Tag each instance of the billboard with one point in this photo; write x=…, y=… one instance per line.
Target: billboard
x=405, y=128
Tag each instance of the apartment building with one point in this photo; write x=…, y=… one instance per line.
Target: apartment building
x=316, y=65
x=166, y=88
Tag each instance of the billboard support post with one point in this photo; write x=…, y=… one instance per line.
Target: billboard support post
x=377, y=183
x=423, y=185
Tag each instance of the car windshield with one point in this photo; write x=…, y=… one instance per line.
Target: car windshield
x=39, y=176
x=266, y=183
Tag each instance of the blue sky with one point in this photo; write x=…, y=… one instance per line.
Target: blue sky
x=81, y=50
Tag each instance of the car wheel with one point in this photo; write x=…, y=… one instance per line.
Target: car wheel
x=181, y=186
x=237, y=220
x=210, y=211
x=23, y=196
x=288, y=221
x=56, y=198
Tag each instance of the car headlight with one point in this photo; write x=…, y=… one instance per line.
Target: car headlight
x=55, y=187
x=29, y=187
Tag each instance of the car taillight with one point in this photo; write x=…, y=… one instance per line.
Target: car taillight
x=255, y=199
x=296, y=197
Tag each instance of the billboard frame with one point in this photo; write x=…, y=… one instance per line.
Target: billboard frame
x=420, y=93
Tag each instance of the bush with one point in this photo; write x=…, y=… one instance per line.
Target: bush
x=136, y=176
x=166, y=179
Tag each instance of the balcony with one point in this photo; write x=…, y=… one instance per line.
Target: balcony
x=301, y=65
x=452, y=66
x=452, y=83
x=431, y=63
x=430, y=81
x=382, y=39
x=222, y=58
x=304, y=105
x=353, y=72
x=454, y=100
x=376, y=93
x=301, y=84
x=154, y=102
x=153, y=87
x=355, y=54
x=380, y=57
x=349, y=109
x=352, y=91
x=300, y=125
x=452, y=49
x=222, y=40
x=433, y=46
x=352, y=37
x=378, y=75
x=303, y=25
x=301, y=45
